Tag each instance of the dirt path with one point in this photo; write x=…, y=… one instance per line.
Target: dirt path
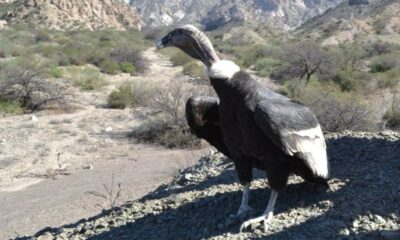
x=49, y=161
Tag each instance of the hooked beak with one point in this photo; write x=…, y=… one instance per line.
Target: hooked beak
x=160, y=44
x=164, y=42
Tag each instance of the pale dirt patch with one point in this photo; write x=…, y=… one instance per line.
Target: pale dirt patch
x=49, y=161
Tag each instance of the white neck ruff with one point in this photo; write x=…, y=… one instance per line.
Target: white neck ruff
x=223, y=69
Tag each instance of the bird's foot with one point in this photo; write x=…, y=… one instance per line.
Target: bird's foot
x=256, y=221
x=244, y=209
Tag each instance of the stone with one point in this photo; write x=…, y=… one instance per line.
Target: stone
x=88, y=167
x=46, y=236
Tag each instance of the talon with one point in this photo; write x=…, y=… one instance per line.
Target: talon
x=258, y=220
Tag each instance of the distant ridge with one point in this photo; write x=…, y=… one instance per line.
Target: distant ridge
x=72, y=14
x=212, y=14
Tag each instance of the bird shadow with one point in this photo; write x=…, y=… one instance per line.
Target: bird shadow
x=365, y=180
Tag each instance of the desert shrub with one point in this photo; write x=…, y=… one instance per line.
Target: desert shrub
x=225, y=48
x=86, y=78
x=176, y=56
x=27, y=87
x=180, y=58
x=264, y=66
x=55, y=72
x=5, y=46
x=132, y=94
x=10, y=108
x=75, y=54
x=160, y=131
x=43, y=36
x=47, y=50
x=168, y=127
x=109, y=66
x=194, y=69
x=251, y=54
x=379, y=67
x=152, y=34
x=132, y=56
x=127, y=67
x=392, y=115
x=389, y=79
x=385, y=63
x=336, y=110
x=345, y=81
x=380, y=47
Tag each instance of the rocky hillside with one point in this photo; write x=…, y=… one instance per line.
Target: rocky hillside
x=169, y=12
x=355, y=18
x=363, y=201
x=214, y=13
x=72, y=14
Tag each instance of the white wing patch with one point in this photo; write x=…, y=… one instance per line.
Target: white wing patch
x=223, y=69
x=310, y=144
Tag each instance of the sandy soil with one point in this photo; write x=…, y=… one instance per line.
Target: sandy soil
x=49, y=161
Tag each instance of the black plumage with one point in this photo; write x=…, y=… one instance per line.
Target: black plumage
x=203, y=119
x=255, y=126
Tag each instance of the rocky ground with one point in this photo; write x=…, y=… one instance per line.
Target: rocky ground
x=363, y=201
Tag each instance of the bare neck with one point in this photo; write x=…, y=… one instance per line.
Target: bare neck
x=203, y=48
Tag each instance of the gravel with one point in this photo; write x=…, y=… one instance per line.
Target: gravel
x=363, y=201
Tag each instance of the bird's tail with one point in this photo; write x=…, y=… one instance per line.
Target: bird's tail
x=308, y=173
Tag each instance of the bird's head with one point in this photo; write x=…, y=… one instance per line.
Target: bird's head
x=192, y=41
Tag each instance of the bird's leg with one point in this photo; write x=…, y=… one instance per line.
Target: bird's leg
x=244, y=205
x=266, y=217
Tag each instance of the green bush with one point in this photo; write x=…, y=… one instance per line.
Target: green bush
x=121, y=98
x=136, y=93
x=392, y=115
x=177, y=57
x=86, y=78
x=389, y=79
x=55, y=72
x=345, y=81
x=128, y=67
x=264, y=66
x=251, y=54
x=194, y=69
x=336, y=110
x=385, y=62
x=109, y=66
x=43, y=36
x=10, y=108
x=180, y=58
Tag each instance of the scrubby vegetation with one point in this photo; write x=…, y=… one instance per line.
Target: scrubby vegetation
x=168, y=125
x=132, y=94
x=23, y=86
x=336, y=82
x=30, y=58
x=340, y=83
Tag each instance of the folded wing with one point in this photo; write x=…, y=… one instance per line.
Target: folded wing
x=294, y=129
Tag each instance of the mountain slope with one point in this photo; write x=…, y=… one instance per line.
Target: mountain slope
x=355, y=18
x=73, y=14
x=169, y=12
x=214, y=13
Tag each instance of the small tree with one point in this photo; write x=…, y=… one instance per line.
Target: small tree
x=304, y=59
